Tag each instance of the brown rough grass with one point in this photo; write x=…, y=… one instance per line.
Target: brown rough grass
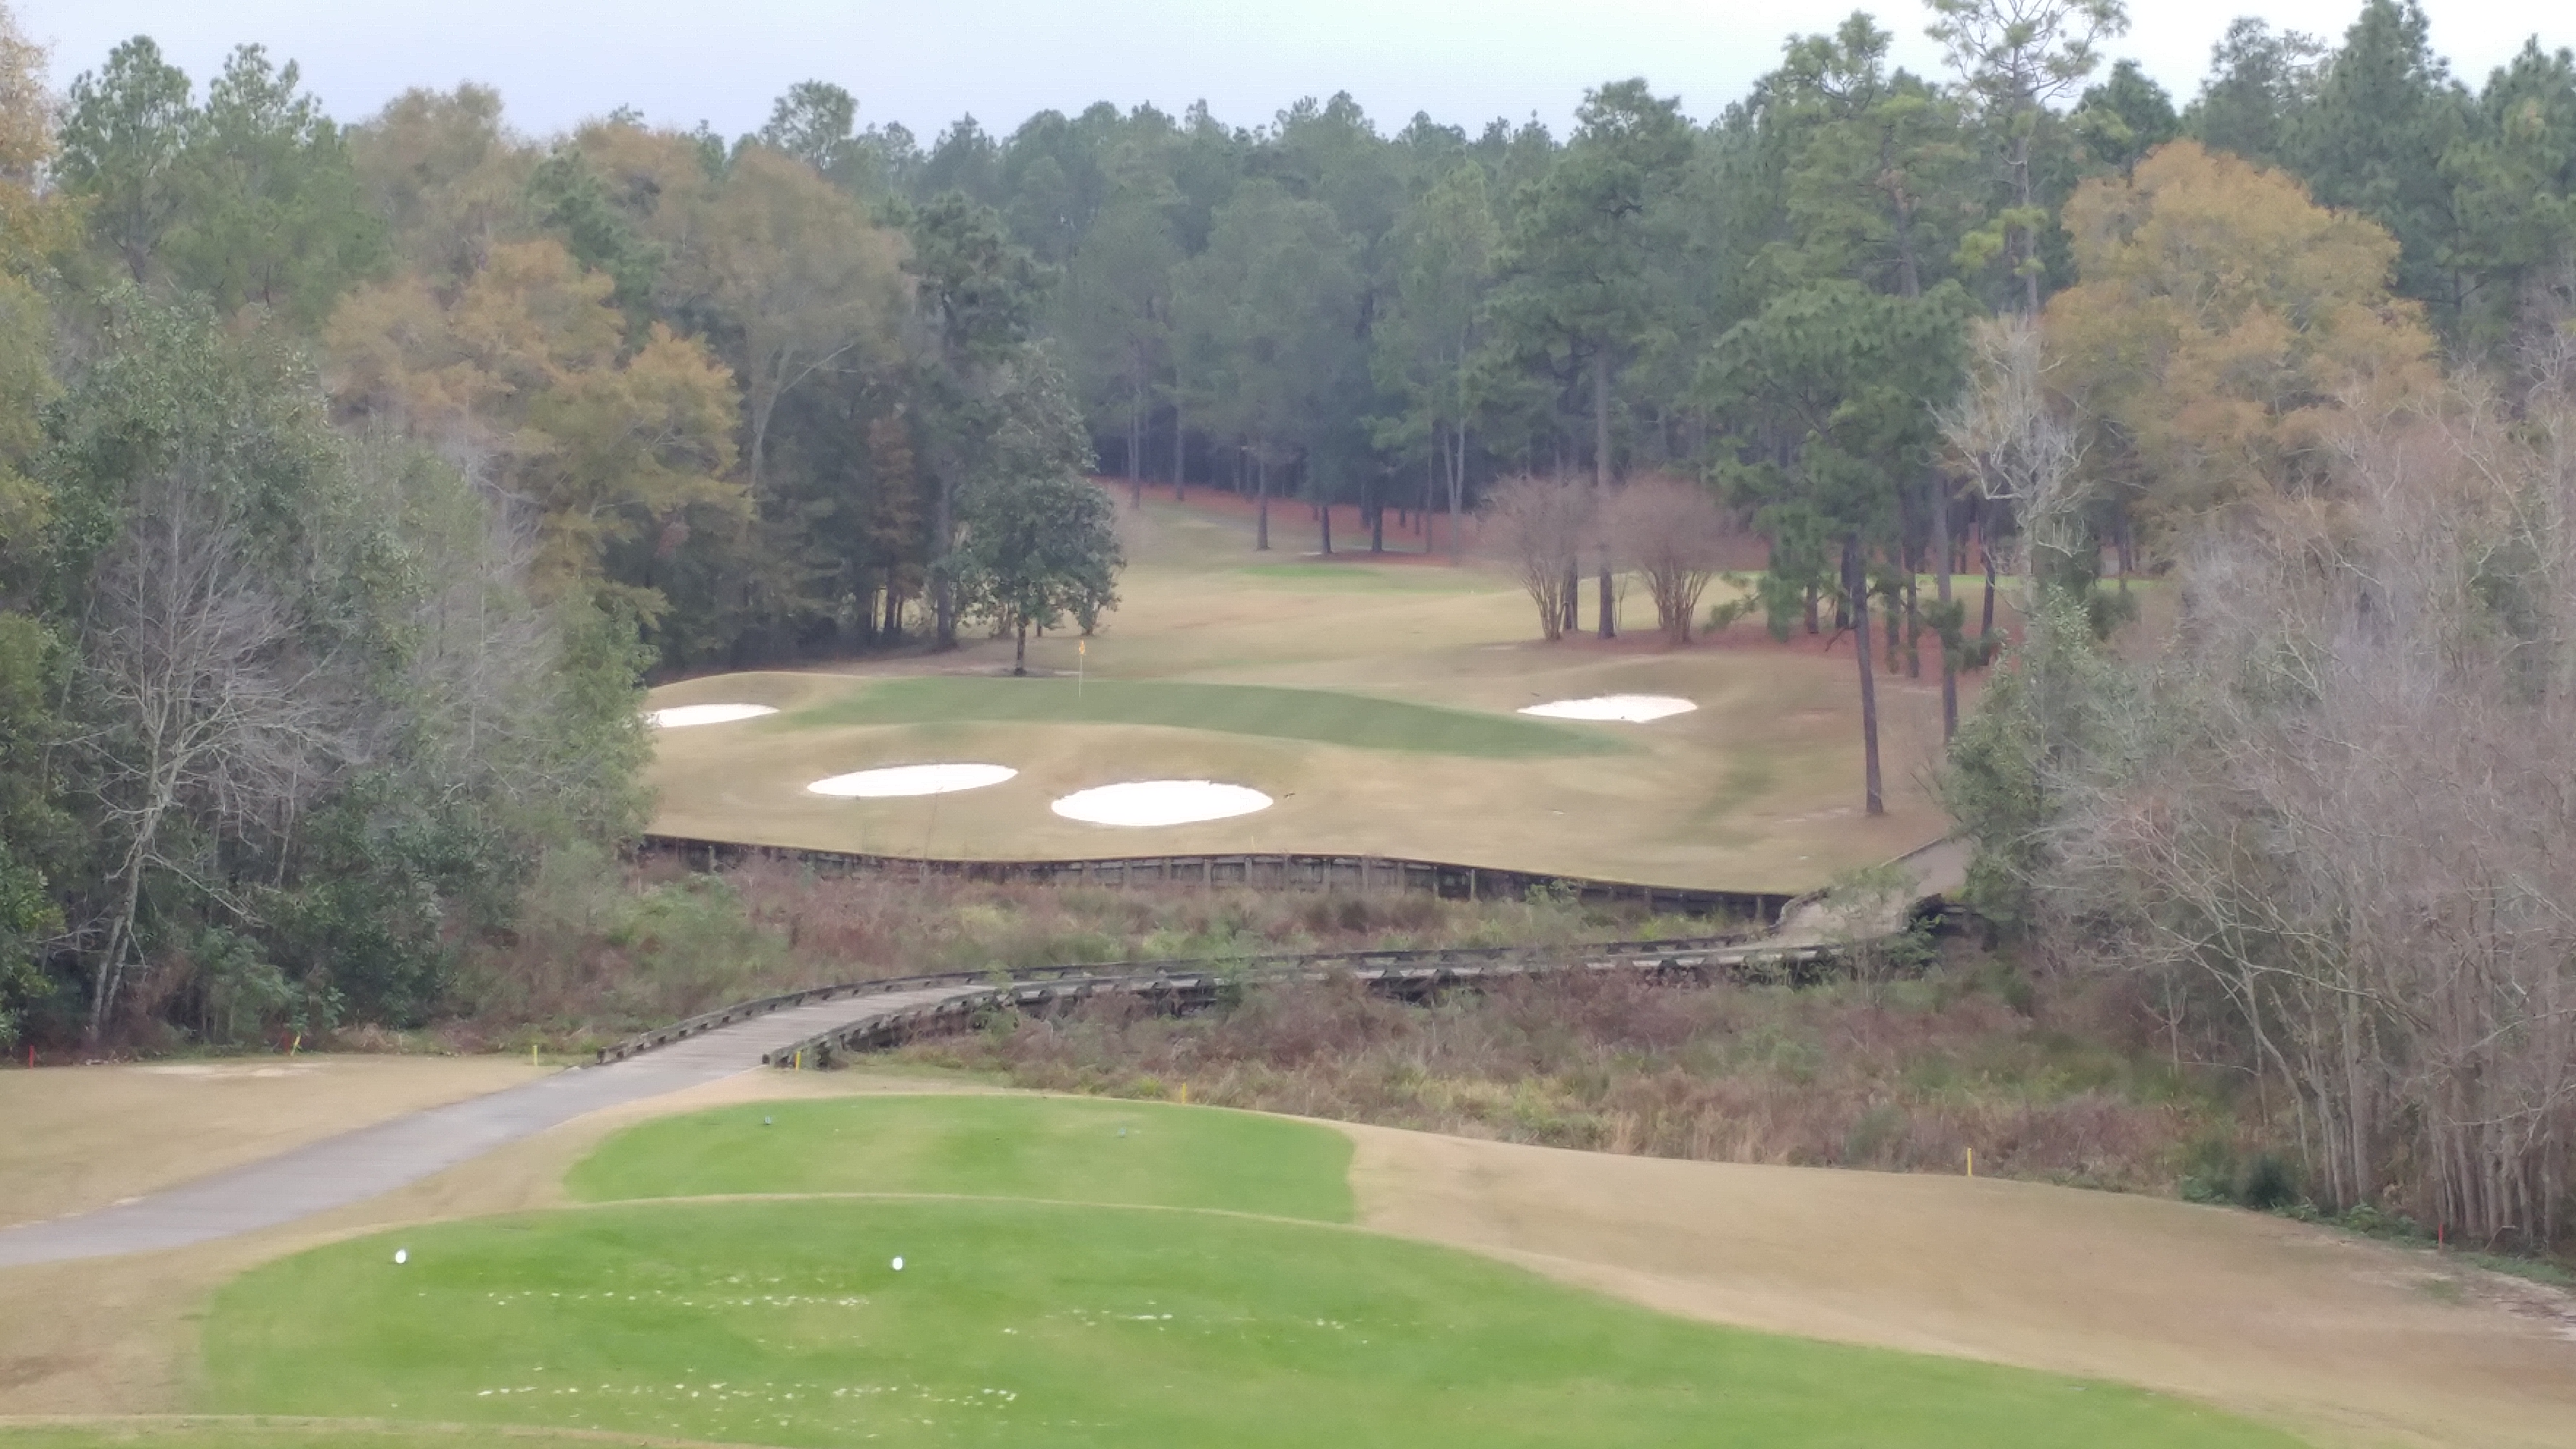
x=599, y=954
x=1906, y=1076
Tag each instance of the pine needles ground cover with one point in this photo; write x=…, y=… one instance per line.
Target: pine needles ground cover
x=1324, y=716
x=1070, y=1149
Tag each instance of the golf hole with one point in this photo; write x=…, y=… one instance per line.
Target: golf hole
x=1160, y=802
x=911, y=780
x=1625, y=708
x=681, y=716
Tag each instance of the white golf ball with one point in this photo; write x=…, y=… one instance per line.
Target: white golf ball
x=898, y=1265
x=402, y=1255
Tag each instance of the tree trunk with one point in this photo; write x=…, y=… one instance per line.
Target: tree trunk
x=1261, y=520
x=1814, y=625
x=1325, y=514
x=1856, y=584
x=1601, y=421
x=2029, y=238
x=1609, y=600
x=1020, y=653
x=1457, y=487
x=1986, y=556
x=1136, y=447
x=1941, y=593
x=1913, y=626
x=943, y=589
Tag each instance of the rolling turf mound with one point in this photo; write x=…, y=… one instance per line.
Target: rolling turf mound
x=1070, y=1273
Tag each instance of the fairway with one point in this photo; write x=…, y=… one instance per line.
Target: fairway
x=1375, y=701
x=1324, y=716
x=1074, y=1149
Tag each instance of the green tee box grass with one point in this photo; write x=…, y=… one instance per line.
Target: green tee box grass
x=270, y=1432
x=1042, y=1324
x=1073, y=1149
x=1326, y=716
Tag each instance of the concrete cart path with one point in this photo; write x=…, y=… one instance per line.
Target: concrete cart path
x=359, y=1165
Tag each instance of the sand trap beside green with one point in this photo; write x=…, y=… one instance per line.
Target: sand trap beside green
x=1068, y=1148
x=1018, y=1323
x=1323, y=715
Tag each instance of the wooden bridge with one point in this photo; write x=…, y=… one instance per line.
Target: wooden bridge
x=1795, y=942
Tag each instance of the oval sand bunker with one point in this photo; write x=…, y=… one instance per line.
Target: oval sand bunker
x=1626, y=708
x=1160, y=802
x=911, y=780
x=681, y=716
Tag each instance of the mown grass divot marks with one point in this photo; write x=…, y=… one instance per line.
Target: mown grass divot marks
x=682, y=716
x=1079, y=1149
x=890, y=781
x=1018, y=1323
x=1160, y=802
x=1619, y=708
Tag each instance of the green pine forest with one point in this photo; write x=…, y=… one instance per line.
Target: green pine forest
x=356, y=472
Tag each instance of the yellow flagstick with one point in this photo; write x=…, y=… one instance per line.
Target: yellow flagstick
x=1972, y=1162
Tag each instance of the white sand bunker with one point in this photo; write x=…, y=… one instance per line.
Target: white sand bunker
x=1160, y=802
x=1628, y=708
x=681, y=716
x=912, y=780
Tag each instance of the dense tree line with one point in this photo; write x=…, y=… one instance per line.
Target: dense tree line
x=352, y=475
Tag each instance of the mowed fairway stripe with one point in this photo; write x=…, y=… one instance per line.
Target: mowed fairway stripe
x=1029, y=1324
x=1324, y=716
x=1069, y=1149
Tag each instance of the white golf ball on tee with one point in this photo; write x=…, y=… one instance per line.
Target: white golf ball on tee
x=898, y=1265
x=402, y=1255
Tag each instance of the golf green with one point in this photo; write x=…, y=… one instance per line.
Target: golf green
x=1065, y=1148
x=1025, y=1324
x=1322, y=715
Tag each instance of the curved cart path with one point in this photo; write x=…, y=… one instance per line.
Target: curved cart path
x=359, y=1165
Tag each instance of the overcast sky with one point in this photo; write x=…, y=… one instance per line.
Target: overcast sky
x=926, y=62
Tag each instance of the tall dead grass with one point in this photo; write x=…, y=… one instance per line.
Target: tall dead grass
x=1904, y=1076
x=601, y=951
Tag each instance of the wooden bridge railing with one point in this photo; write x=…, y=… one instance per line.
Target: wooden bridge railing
x=1305, y=872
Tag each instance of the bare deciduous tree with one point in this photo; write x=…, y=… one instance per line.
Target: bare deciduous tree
x=1538, y=528
x=1675, y=535
x=223, y=723
x=2017, y=441
x=2346, y=815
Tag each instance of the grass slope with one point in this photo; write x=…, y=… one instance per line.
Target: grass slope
x=269, y=1432
x=1023, y=1324
x=1130, y=1153
x=1325, y=716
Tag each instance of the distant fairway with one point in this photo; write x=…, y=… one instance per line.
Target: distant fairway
x=1076, y=1149
x=1019, y=1322
x=1323, y=716
x=1375, y=701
